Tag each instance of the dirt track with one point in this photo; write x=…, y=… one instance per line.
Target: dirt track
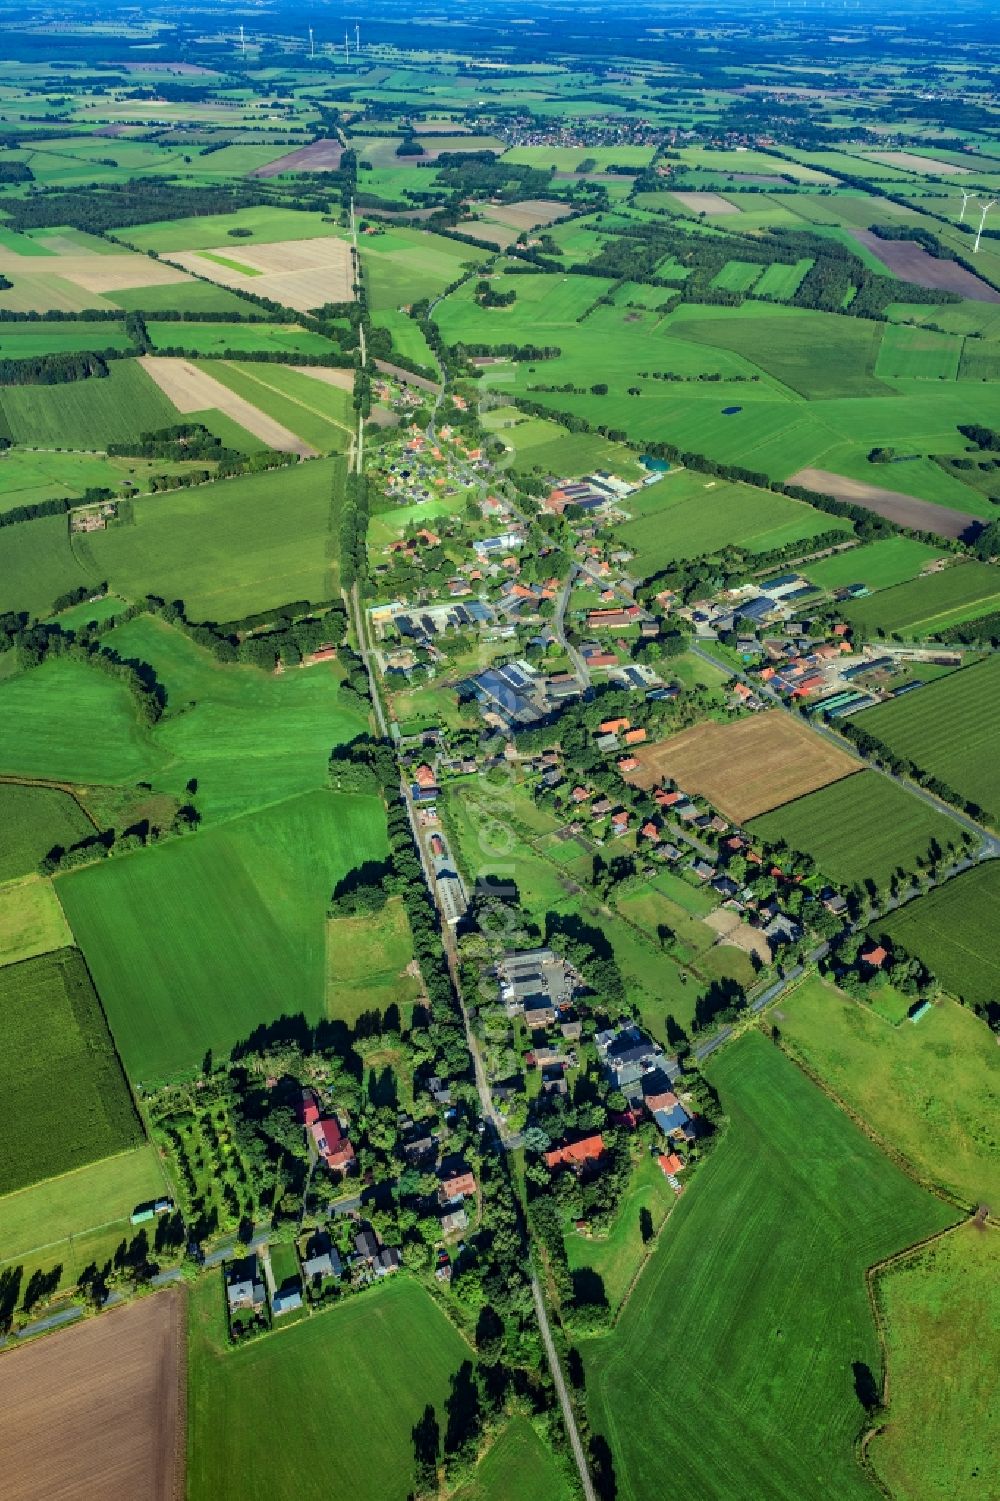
x=194, y=390
x=747, y=767
x=904, y=510
x=910, y=261
x=95, y=1413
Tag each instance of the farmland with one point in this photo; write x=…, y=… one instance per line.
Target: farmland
x=244, y=904
x=221, y=338
x=57, y=1042
x=879, y=565
x=746, y=768
x=34, y=819
x=945, y=929
x=98, y=1410
x=31, y=920
x=938, y=1305
x=784, y=1414
x=22, y=341
x=921, y=726
x=87, y=413
x=930, y=1090
x=927, y=606
x=321, y=414
x=520, y=1464
x=863, y=828
x=383, y=1357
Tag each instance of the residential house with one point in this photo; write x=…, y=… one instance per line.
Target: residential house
x=244, y=1288
x=576, y=1154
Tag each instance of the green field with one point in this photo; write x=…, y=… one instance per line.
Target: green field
x=782, y=282
x=686, y=514
x=407, y=338
x=23, y=341
x=617, y=1258
x=66, y=1219
x=87, y=413
x=759, y=1281
x=917, y=354
x=946, y=930
x=37, y=706
x=182, y=297
x=880, y=565
x=370, y=1368
x=33, y=820
x=366, y=959
x=517, y=1464
x=404, y=265
x=942, y=1314
x=784, y=346
x=219, y=338
x=738, y=276
x=317, y=412
x=927, y=605
x=929, y=1089
x=31, y=920
x=226, y=549
x=195, y=943
x=37, y=565
x=58, y=1057
x=862, y=828
x=266, y=224
x=537, y=443
x=949, y=728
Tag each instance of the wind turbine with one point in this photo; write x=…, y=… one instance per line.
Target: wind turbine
x=985, y=205
x=347, y=51
x=357, y=37
x=312, y=47
x=243, y=42
x=966, y=195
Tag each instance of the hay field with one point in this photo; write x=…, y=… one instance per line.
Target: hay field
x=98, y=1410
x=747, y=767
x=300, y=274
x=913, y=163
x=95, y=273
x=194, y=390
x=705, y=203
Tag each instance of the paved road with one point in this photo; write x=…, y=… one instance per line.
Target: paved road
x=563, y=1394
x=559, y=626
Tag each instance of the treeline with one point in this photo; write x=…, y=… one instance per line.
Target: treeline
x=287, y=634
x=354, y=530
x=58, y=369
x=142, y=200
x=35, y=644
x=873, y=749
x=16, y=172
x=185, y=440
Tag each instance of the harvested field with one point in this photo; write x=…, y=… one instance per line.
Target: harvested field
x=528, y=213
x=905, y=510
x=907, y=259
x=737, y=934
x=300, y=274
x=909, y=162
x=747, y=767
x=706, y=203
x=97, y=273
x=319, y=156
x=342, y=379
x=98, y=1410
x=194, y=390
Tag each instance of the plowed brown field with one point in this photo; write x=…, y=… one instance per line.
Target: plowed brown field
x=748, y=767
x=96, y=1413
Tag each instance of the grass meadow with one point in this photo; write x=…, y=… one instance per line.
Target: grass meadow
x=928, y=605
x=196, y=942
x=922, y=727
x=37, y=564
x=518, y=1463
x=942, y=1313
x=366, y=960
x=862, y=828
x=880, y=565
x=930, y=1089
x=617, y=1258
x=87, y=413
x=686, y=514
x=34, y=820
x=319, y=413
x=107, y=743
x=405, y=265
x=266, y=224
x=947, y=928
x=343, y=1391
x=218, y=338
x=23, y=341
x=64, y=1101
x=229, y=548
x=181, y=297
x=759, y=1281
x=31, y=920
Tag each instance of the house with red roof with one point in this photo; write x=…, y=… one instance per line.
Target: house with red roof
x=331, y=1144
x=576, y=1153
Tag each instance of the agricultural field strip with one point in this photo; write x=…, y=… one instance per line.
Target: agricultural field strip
x=194, y=390
x=306, y=407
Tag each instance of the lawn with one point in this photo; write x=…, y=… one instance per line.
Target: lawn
x=928, y=605
x=34, y=820
x=198, y=941
x=518, y=1464
x=229, y=548
x=922, y=727
x=942, y=1314
x=947, y=928
x=31, y=920
x=860, y=829
x=57, y=1048
x=879, y=565
x=618, y=1258
x=315, y=411
x=374, y=1364
x=219, y=338
x=366, y=960
x=686, y=514
x=759, y=1281
x=87, y=413
x=930, y=1089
